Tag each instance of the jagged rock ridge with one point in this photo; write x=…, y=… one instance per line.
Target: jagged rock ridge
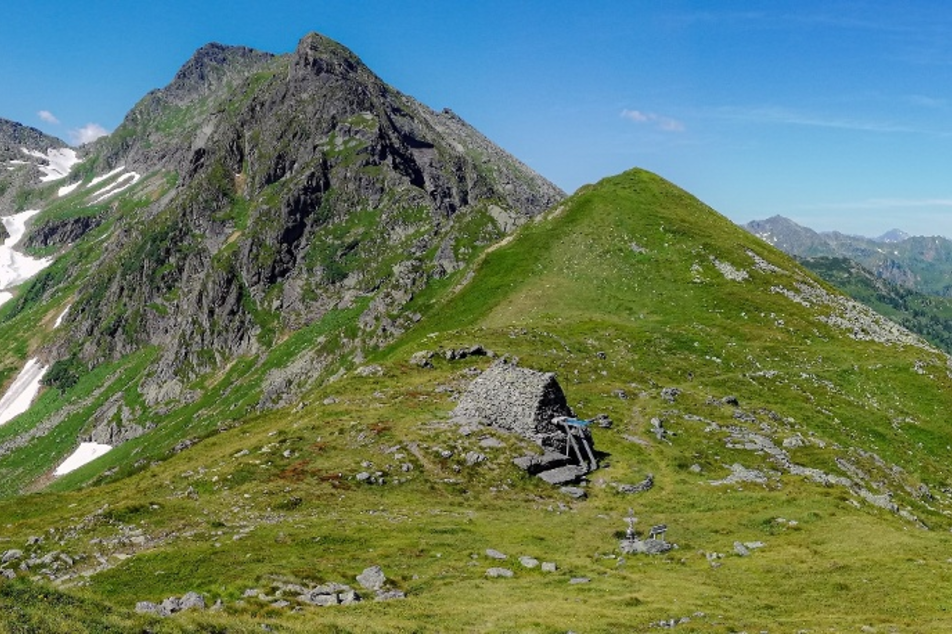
x=305, y=186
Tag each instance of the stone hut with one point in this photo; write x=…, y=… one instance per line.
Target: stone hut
x=516, y=399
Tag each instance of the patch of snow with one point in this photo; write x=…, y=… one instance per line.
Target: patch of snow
x=16, y=267
x=59, y=162
x=84, y=454
x=114, y=188
x=68, y=189
x=59, y=320
x=100, y=179
x=21, y=392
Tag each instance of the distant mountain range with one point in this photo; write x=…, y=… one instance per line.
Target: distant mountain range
x=920, y=263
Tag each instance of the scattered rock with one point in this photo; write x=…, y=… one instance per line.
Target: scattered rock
x=578, y=580
x=389, y=595
x=422, y=359
x=549, y=566
x=603, y=421
x=645, y=546
x=499, y=572
x=11, y=555
x=563, y=475
x=641, y=487
x=474, y=457
x=528, y=562
x=372, y=578
x=455, y=354
x=492, y=553
x=574, y=492
x=739, y=473
x=657, y=428
x=794, y=441
x=192, y=601
x=670, y=394
x=370, y=370
x=172, y=605
x=8, y=574
x=741, y=550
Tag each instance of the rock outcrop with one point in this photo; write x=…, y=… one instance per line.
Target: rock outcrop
x=304, y=185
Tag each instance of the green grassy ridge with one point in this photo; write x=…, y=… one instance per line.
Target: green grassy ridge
x=562, y=291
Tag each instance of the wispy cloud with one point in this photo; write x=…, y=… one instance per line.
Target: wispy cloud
x=48, y=116
x=787, y=116
x=667, y=124
x=87, y=134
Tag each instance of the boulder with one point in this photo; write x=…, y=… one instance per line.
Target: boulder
x=372, y=578
x=645, y=546
x=11, y=555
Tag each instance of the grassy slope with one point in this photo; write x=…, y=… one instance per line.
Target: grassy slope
x=277, y=497
x=928, y=315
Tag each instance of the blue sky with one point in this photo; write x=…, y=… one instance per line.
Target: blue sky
x=835, y=114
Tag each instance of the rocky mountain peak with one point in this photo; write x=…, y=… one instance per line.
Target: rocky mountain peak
x=15, y=136
x=317, y=54
x=209, y=66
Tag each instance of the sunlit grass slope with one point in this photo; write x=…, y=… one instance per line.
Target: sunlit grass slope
x=629, y=289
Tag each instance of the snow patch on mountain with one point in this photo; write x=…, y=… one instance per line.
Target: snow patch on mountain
x=84, y=454
x=58, y=162
x=16, y=267
x=68, y=189
x=24, y=388
x=129, y=178
x=108, y=175
x=59, y=320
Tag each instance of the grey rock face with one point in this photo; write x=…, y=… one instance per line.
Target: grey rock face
x=270, y=153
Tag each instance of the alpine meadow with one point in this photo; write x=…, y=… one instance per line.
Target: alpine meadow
x=290, y=351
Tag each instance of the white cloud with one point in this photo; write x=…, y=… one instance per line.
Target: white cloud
x=48, y=116
x=667, y=124
x=87, y=134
